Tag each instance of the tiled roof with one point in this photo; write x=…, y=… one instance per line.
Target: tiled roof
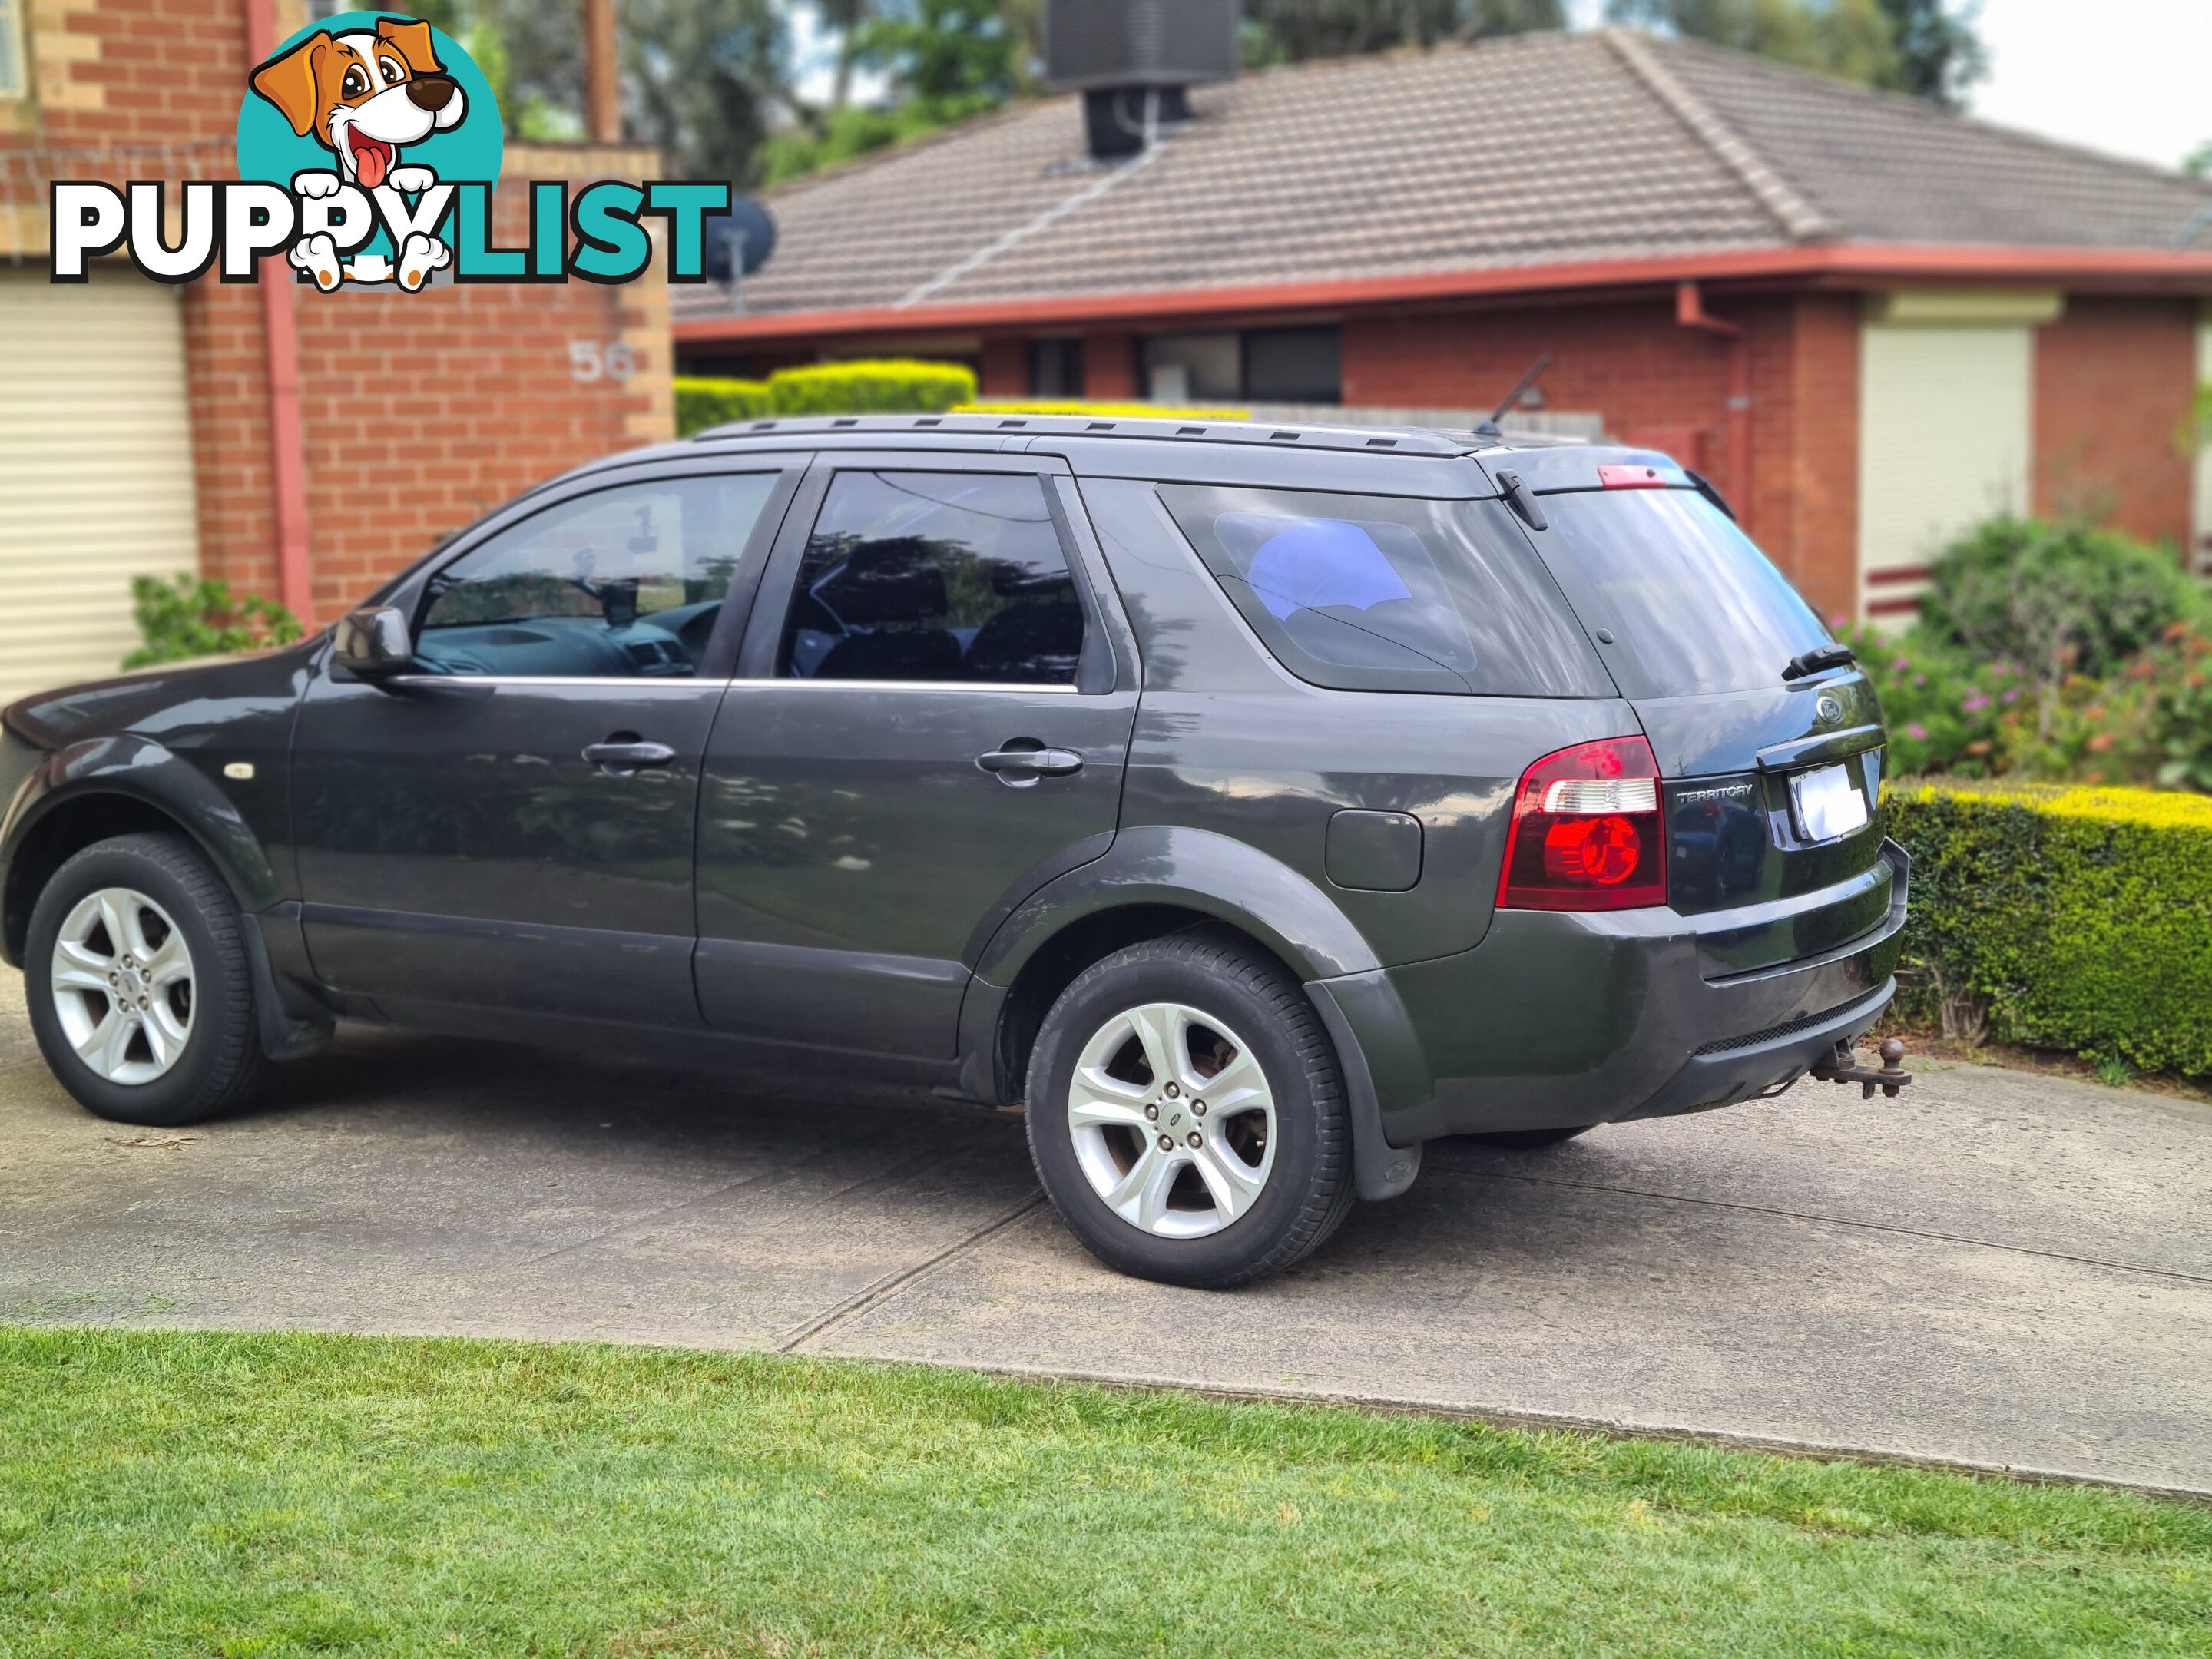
x=1538, y=149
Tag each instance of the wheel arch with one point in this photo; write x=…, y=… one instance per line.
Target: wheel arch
x=1154, y=882
x=119, y=786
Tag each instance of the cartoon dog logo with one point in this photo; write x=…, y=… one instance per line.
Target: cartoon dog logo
x=362, y=95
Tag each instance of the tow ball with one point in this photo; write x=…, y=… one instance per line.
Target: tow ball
x=1843, y=1067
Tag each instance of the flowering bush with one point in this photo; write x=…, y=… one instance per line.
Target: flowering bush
x=2050, y=653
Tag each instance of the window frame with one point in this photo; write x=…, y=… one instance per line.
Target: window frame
x=1099, y=669
x=14, y=45
x=409, y=592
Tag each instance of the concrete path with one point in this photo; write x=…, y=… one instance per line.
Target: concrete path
x=2001, y=1270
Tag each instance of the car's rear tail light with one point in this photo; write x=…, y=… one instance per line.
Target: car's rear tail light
x=1586, y=831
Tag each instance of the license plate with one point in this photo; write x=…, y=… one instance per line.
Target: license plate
x=1827, y=802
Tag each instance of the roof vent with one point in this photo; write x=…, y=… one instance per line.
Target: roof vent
x=1135, y=61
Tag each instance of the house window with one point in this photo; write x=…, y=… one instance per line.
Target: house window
x=1181, y=368
x=1294, y=365
x=11, y=50
x=1055, y=368
x=1261, y=365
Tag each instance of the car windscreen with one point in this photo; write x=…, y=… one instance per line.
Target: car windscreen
x=1699, y=605
x=1382, y=593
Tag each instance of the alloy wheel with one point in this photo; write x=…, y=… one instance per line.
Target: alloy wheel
x=1173, y=1120
x=123, y=986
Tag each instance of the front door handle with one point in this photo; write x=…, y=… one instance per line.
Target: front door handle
x=621, y=755
x=1027, y=765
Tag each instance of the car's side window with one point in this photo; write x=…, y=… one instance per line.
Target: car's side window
x=622, y=584
x=935, y=577
x=1379, y=593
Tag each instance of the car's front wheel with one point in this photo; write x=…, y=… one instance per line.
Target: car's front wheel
x=1186, y=1114
x=141, y=991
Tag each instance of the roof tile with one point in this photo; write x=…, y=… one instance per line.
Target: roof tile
x=1537, y=150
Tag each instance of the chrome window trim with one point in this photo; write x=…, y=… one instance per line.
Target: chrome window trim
x=674, y=683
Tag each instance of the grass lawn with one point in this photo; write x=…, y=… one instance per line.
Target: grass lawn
x=234, y=1495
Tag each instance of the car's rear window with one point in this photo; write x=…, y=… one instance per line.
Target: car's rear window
x=1699, y=605
x=1380, y=593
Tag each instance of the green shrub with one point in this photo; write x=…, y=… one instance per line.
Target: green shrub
x=1103, y=411
x=888, y=387
x=2057, y=598
x=186, y=616
x=871, y=388
x=2076, y=919
x=701, y=402
x=2150, y=723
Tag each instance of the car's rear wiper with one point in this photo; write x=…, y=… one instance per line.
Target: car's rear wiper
x=1812, y=661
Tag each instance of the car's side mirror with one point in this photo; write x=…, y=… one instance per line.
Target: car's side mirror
x=372, y=643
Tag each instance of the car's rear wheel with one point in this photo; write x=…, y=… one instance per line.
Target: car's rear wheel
x=140, y=988
x=1187, y=1114
x=1530, y=1140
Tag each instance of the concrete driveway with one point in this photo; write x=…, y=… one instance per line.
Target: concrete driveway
x=1999, y=1270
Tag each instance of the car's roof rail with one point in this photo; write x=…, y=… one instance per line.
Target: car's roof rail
x=1374, y=440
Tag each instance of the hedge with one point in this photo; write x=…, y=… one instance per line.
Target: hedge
x=1103, y=411
x=892, y=387
x=701, y=403
x=2075, y=918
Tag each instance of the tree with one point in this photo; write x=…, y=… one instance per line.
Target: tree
x=1293, y=31
x=953, y=56
x=1852, y=39
x=1939, y=55
x=2199, y=164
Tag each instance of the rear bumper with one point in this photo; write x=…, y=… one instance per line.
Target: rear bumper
x=1559, y=1020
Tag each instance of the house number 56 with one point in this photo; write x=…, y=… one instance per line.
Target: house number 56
x=589, y=361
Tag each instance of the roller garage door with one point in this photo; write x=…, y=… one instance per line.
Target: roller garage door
x=95, y=468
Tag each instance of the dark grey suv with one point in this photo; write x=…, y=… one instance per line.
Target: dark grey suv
x=1255, y=805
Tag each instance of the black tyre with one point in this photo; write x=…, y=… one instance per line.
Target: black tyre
x=1530, y=1140
x=140, y=988
x=1187, y=1114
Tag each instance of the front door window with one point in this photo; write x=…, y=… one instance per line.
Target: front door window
x=623, y=584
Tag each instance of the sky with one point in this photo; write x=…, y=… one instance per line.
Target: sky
x=2132, y=77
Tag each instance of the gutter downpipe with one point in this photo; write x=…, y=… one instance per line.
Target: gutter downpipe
x=287, y=454
x=1689, y=312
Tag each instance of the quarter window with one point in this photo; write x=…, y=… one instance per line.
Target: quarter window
x=937, y=576
x=1378, y=593
x=624, y=584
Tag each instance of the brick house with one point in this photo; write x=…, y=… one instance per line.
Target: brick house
x=298, y=445
x=1870, y=322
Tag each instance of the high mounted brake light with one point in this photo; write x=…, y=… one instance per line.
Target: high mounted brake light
x=1642, y=478
x=1586, y=833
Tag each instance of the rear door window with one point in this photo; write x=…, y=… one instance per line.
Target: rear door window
x=935, y=577
x=1381, y=593
x=1698, y=604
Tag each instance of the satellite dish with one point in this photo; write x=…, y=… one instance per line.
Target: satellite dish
x=739, y=242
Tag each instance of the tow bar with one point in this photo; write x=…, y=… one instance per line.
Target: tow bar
x=1843, y=1067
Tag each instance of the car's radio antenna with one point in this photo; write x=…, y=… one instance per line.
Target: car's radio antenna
x=1520, y=391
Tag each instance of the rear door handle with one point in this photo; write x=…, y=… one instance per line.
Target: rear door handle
x=1013, y=763
x=623, y=759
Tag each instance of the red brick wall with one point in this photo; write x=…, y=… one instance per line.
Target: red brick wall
x=2113, y=380
x=226, y=374
x=1005, y=369
x=1654, y=381
x=1808, y=507
x=1109, y=367
x=419, y=411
